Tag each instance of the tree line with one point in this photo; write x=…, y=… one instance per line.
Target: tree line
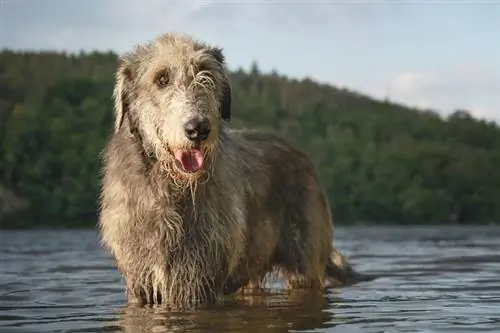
x=378, y=161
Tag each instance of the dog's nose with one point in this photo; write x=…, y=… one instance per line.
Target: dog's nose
x=197, y=129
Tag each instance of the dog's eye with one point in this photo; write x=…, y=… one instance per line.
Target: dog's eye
x=162, y=79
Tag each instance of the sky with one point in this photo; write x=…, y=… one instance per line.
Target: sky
x=441, y=55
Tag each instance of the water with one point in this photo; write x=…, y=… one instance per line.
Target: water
x=435, y=279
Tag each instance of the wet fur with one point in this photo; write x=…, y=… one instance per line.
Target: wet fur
x=256, y=208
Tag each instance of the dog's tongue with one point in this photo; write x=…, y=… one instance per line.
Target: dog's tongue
x=191, y=160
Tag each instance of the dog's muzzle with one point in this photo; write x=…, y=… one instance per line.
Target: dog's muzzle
x=191, y=159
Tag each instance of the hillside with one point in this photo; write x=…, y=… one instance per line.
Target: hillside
x=378, y=161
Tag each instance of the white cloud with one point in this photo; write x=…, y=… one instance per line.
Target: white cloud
x=467, y=86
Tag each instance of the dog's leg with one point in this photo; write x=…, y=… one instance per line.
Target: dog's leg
x=299, y=281
x=135, y=297
x=252, y=287
x=308, y=271
x=232, y=286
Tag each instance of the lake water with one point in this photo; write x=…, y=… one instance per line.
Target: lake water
x=434, y=279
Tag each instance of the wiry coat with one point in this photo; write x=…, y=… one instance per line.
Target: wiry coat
x=183, y=239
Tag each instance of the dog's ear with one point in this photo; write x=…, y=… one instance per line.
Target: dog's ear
x=123, y=75
x=218, y=55
x=225, y=108
x=225, y=104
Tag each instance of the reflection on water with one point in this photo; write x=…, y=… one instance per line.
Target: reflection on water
x=267, y=313
x=433, y=279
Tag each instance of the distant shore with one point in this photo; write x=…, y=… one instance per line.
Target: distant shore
x=377, y=160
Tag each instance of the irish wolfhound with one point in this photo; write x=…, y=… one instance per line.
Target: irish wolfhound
x=192, y=210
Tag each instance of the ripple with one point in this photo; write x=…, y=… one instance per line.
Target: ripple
x=433, y=279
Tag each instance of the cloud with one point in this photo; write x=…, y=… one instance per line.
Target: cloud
x=351, y=43
x=469, y=86
x=113, y=24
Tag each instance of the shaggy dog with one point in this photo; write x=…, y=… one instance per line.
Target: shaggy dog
x=192, y=210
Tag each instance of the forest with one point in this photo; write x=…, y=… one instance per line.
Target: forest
x=378, y=161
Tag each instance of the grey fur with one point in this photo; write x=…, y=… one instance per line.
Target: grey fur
x=185, y=239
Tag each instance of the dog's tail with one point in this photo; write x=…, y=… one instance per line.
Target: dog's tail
x=339, y=271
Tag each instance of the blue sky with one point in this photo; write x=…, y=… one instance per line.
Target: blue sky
x=438, y=54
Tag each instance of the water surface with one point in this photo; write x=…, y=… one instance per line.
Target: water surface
x=434, y=279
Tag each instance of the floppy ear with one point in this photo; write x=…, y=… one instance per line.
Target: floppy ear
x=120, y=95
x=225, y=109
x=225, y=104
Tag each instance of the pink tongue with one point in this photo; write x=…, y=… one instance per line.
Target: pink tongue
x=191, y=160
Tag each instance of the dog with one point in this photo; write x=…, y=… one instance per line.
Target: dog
x=193, y=210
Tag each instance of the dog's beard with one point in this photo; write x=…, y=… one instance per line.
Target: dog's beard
x=188, y=182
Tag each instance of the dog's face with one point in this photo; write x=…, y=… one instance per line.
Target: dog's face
x=174, y=93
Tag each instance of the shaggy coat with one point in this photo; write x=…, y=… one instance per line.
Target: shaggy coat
x=188, y=218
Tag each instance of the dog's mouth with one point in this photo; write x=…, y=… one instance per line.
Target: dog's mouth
x=189, y=160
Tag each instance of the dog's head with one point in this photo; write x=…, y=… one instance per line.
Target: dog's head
x=174, y=94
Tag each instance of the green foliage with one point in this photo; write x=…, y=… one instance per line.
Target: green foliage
x=378, y=161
